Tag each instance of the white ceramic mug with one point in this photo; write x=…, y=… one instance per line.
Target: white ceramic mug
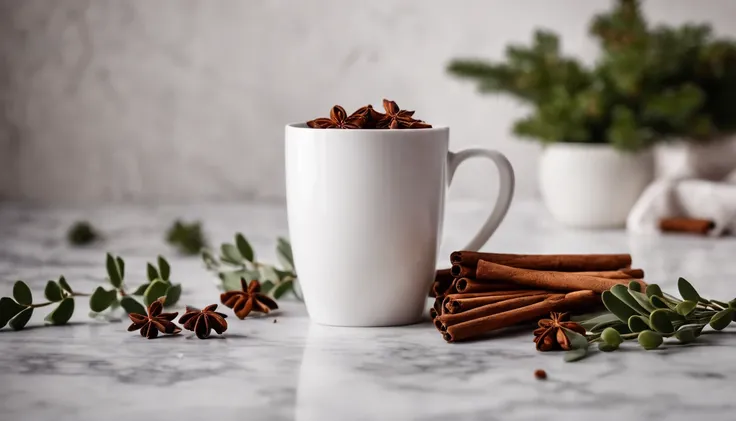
x=365, y=213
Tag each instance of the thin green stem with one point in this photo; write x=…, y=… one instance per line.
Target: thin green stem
x=41, y=304
x=80, y=294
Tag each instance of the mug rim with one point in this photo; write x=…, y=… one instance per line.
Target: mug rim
x=303, y=125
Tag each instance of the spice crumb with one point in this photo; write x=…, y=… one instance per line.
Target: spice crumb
x=540, y=374
x=274, y=320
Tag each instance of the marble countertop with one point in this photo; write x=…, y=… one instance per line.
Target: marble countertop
x=294, y=370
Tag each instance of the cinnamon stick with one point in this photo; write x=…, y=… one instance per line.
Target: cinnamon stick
x=556, y=262
x=686, y=225
x=481, y=325
x=445, y=320
x=442, y=281
x=470, y=272
x=467, y=285
x=548, y=280
x=436, y=309
x=615, y=274
x=458, y=303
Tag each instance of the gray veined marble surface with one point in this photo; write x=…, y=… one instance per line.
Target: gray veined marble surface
x=294, y=370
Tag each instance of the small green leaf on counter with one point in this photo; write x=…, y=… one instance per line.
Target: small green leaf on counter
x=53, y=291
x=19, y=322
x=62, y=313
x=22, y=293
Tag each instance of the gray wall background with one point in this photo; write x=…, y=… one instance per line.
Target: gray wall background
x=184, y=100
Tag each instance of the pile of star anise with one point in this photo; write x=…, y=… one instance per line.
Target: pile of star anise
x=368, y=118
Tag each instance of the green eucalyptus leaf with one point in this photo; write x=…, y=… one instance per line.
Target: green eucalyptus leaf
x=113, y=271
x=635, y=286
x=622, y=328
x=164, y=269
x=19, y=321
x=231, y=280
x=658, y=301
x=650, y=340
x=267, y=287
x=62, y=313
x=642, y=299
x=130, y=305
x=575, y=354
x=267, y=273
x=284, y=274
x=230, y=254
x=606, y=347
x=622, y=293
x=244, y=247
x=52, y=292
x=603, y=318
x=210, y=262
x=617, y=307
x=674, y=316
x=121, y=266
x=576, y=340
x=115, y=303
x=285, y=255
x=660, y=321
x=141, y=289
x=654, y=290
x=65, y=285
x=722, y=319
x=638, y=323
x=732, y=303
x=8, y=309
x=22, y=293
x=173, y=293
x=282, y=289
x=155, y=290
x=686, y=307
x=101, y=299
x=611, y=337
x=578, y=345
x=696, y=327
x=687, y=291
x=688, y=334
x=152, y=272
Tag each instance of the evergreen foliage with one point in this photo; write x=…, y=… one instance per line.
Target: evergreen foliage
x=649, y=84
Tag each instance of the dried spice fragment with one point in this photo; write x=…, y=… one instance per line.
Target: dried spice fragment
x=156, y=321
x=551, y=332
x=248, y=299
x=201, y=322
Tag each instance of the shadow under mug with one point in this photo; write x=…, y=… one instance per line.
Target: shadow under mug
x=365, y=212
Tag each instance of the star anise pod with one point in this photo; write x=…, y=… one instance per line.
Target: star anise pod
x=201, y=322
x=370, y=116
x=155, y=321
x=339, y=119
x=551, y=336
x=396, y=118
x=247, y=300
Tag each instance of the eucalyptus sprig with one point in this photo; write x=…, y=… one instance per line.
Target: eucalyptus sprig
x=188, y=238
x=82, y=233
x=19, y=309
x=102, y=298
x=238, y=260
x=158, y=285
x=651, y=316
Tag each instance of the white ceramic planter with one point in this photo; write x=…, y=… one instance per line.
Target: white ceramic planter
x=592, y=185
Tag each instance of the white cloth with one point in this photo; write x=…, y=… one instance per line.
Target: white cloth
x=690, y=198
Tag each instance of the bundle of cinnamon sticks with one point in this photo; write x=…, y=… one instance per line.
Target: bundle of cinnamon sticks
x=482, y=292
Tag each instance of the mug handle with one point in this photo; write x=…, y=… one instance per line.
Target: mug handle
x=505, y=191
